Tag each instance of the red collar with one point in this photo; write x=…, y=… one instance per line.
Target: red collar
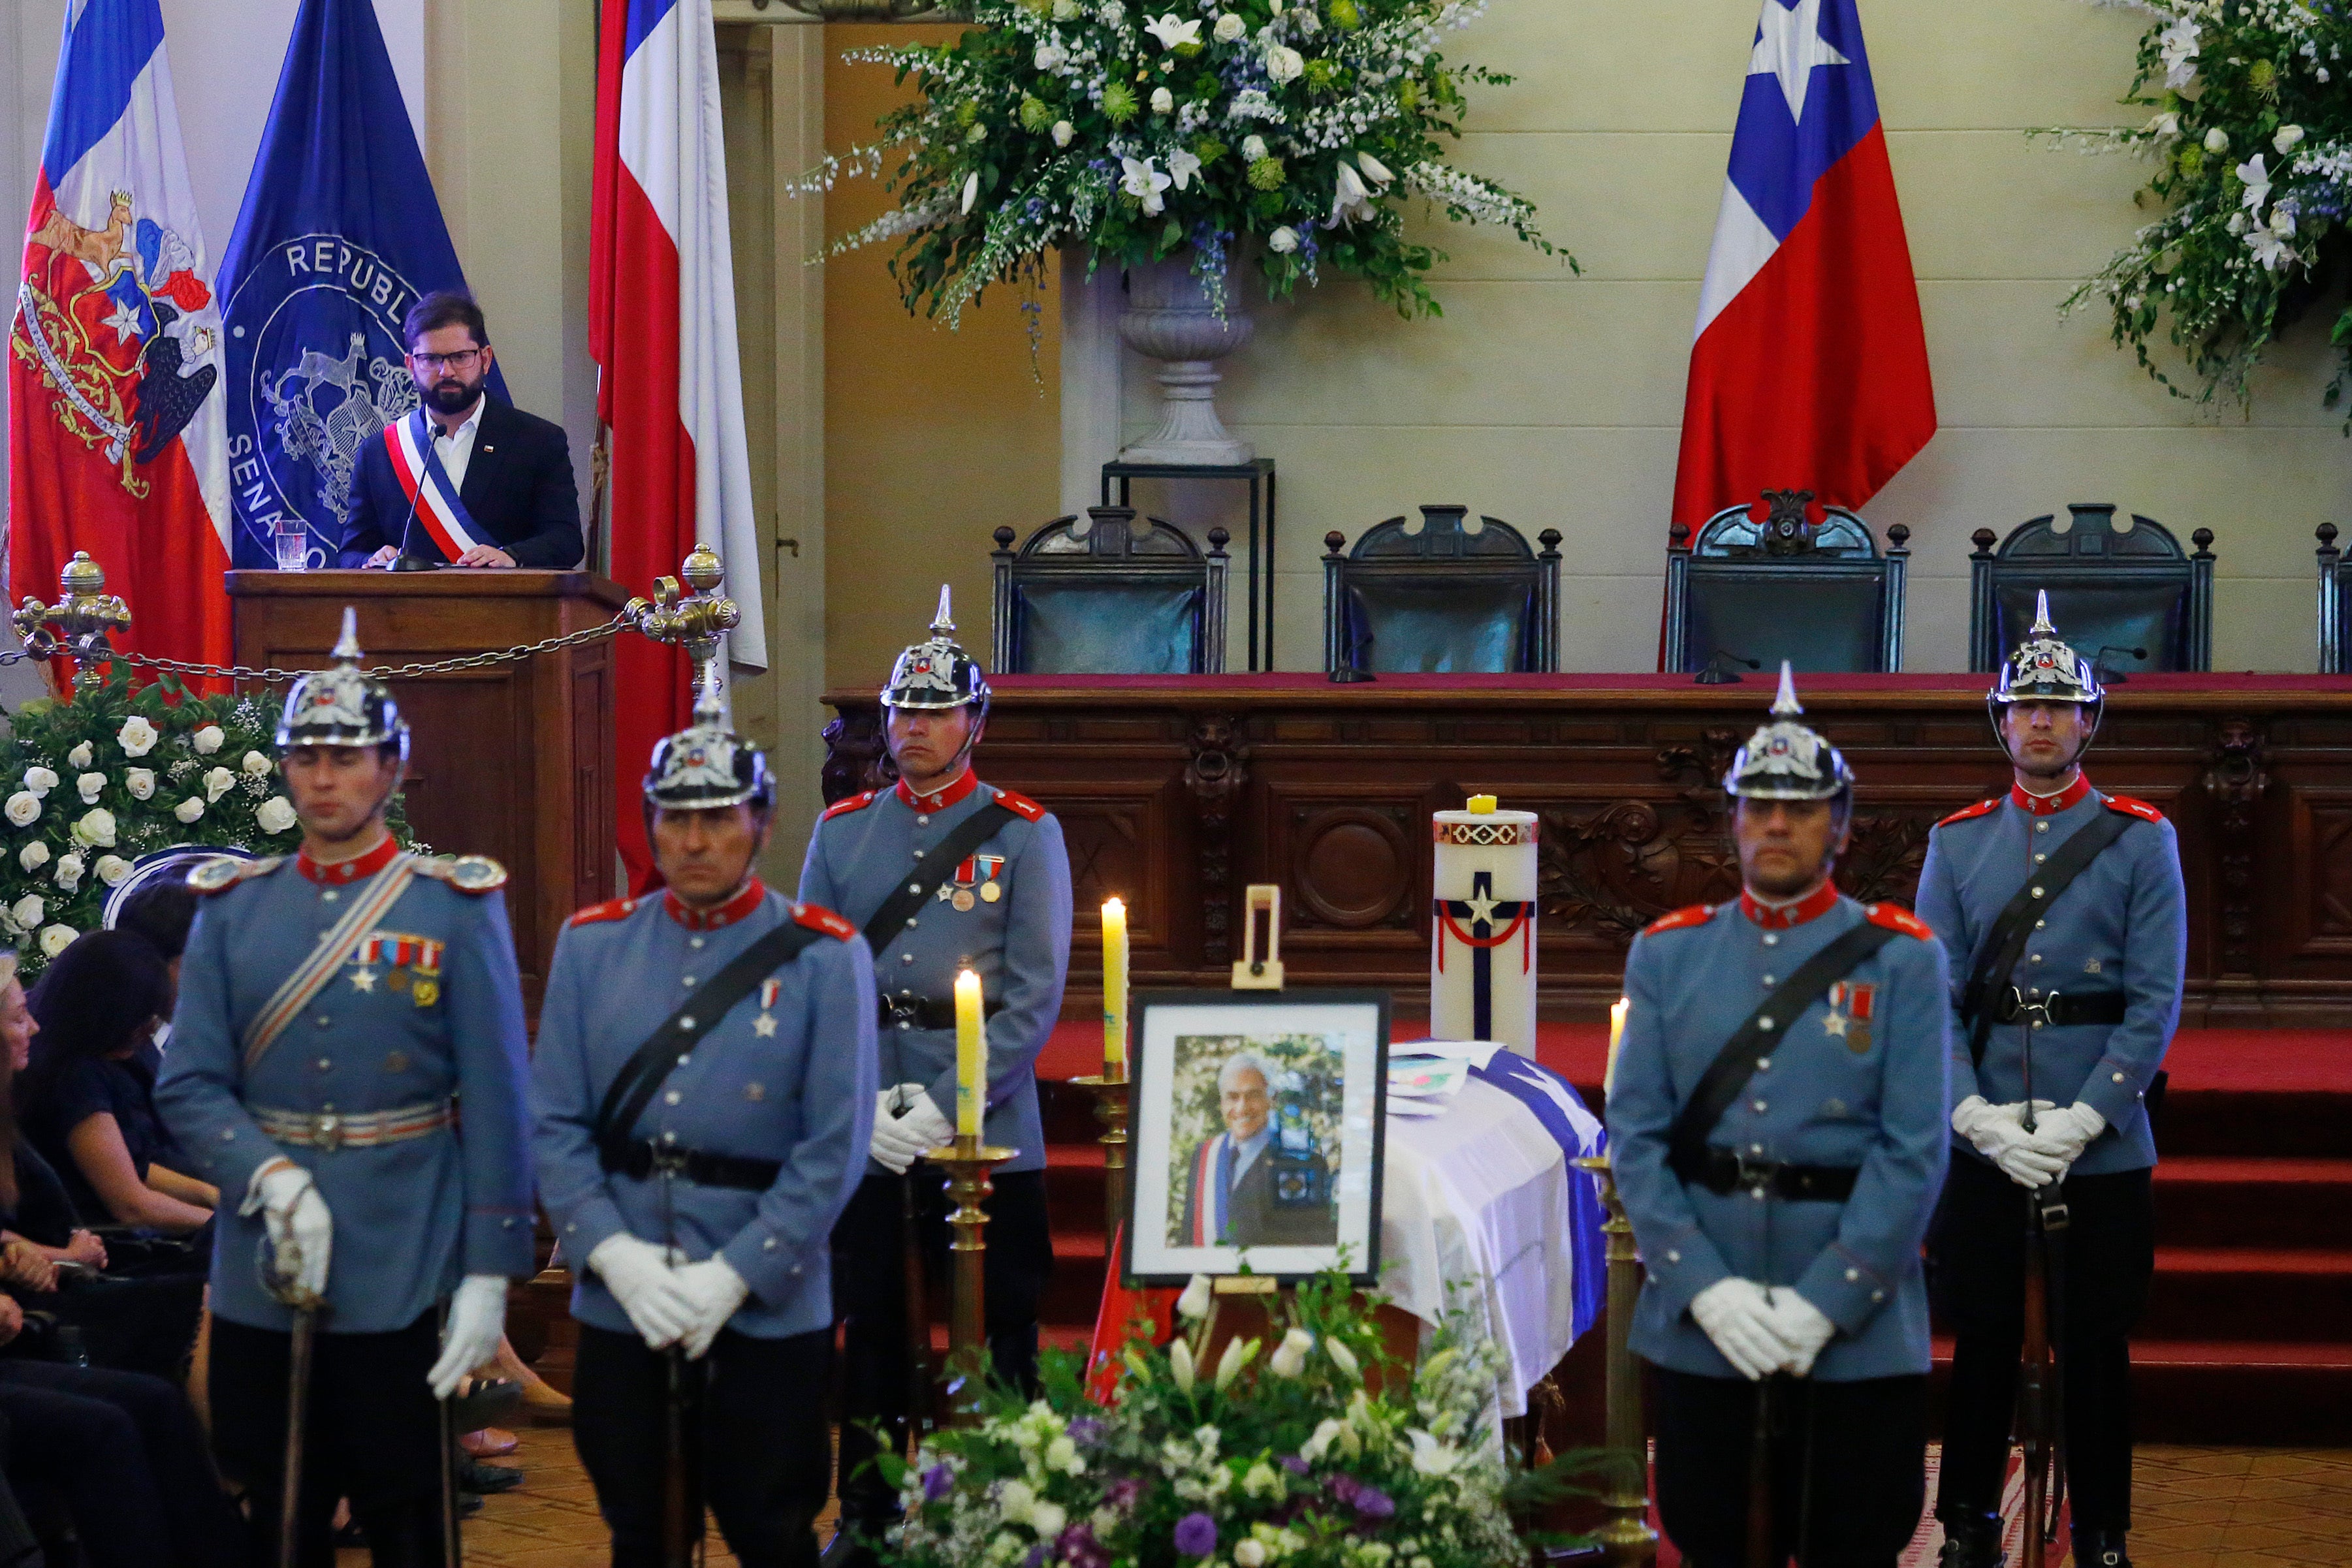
x=2074, y=794
x=338, y=872
x=966, y=782
x=1811, y=907
x=727, y=913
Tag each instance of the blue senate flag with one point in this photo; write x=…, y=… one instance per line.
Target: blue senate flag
x=338, y=236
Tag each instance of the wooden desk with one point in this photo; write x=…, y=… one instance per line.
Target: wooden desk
x=1177, y=791
x=513, y=760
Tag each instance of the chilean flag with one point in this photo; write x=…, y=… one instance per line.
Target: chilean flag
x=1809, y=370
x=661, y=326
x=117, y=442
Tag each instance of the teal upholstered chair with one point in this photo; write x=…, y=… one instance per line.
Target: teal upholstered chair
x=1820, y=595
x=1439, y=593
x=2122, y=591
x=1109, y=594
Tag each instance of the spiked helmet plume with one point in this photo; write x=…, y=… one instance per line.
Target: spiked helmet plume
x=1786, y=759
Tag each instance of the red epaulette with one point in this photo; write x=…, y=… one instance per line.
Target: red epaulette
x=855, y=803
x=817, y=917
x=612, y=909
x=1019, y=805
x=2130, y=807
x=1895, y=917
x=1681, y=919
x=1965, y=812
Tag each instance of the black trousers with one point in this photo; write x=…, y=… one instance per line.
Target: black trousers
x=124, y=1453
x=1849, y=1467
x=373, y=1435
x=756, y=1447
x=869, y=1294
x=1977, y=1266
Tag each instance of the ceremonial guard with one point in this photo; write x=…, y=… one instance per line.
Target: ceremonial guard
x=942, y=873
x=703, y=1089
x=1776, y=1118
x=334, y=1011
x=2065, y=916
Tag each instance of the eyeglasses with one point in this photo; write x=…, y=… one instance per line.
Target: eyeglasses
x=463, y=360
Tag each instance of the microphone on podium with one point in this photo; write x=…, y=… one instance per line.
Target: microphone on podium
x=2108, y=675
x=1715, y=674
x=410, y=559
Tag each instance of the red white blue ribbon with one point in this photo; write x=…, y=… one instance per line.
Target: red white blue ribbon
x=417, y=466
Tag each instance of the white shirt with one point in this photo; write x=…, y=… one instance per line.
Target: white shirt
x=457, y=446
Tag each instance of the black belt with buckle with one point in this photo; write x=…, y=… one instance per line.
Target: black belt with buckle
x=2057, y=1011
x=643, y=1158
x=1727, y=1171
x=912, y=1011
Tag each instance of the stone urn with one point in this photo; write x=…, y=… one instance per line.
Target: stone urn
x=1169, y=317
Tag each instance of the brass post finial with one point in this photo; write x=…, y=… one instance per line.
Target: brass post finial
x=693, y=617
x=83, y=615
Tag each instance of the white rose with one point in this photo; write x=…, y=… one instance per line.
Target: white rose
x=2284, y=142
x=1163, y=101
x=1194, y=1303
x=55, y=939
x=33, y=856
x=189, y=809
x=218, y=782
x=89, y=784
x=79, y=756
x=257, y=765
x=1284, y=64
x=1250, y=1552
x=27, y=911
x=1283, y=241
x=276, y=815
x=1063, y=132
x=1014, y=1499
x=112, y=870
x=208, y=739
x=22, y=807
x=2217, y=140
x=1064, y=9
x=1253, y=147
x=40, y=781
x=1047, y=1520
x=140, y=782
x=1229, y=27
x=96, y=827
x=137, y=737
x=1050, y=57
x=68, y=872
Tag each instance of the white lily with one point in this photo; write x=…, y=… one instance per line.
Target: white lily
x=1193, y=1305
x=1430, y=1457
x=2257, y=181
x=1181, y=166
x=2178, y=45
x=1350, y=197
x=1173, y=30
x=970, y=190
x=1237, y=1355
x=1179, y=1355
x=1289, y=1357
x=1145, y=182
x=1374, y=170
x=1343, y=1358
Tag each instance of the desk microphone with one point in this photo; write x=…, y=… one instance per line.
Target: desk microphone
x=410, y=559
x=2107, y=675
x=1714, y=673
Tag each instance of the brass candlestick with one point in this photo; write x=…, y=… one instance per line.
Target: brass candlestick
x=967, y=1162
x=1110, y=1110
x=1627, y=1538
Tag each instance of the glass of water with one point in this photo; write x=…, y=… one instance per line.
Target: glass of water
x=293, y=551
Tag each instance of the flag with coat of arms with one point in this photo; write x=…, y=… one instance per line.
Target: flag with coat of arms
x=117, y=439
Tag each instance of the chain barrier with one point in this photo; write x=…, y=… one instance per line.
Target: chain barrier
x=274, y=676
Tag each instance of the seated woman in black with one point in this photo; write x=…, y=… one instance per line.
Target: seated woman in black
x=87, y=1104
x=39, y=1214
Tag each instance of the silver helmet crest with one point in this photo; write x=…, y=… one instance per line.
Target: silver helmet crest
x=341, y=704
x=707, y=765
x=1786, y=759
x=937, y=673
x=2045, y=669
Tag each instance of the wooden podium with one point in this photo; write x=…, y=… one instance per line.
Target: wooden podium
x=513, y=760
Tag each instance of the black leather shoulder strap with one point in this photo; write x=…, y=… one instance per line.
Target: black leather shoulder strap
x=1728, y=1074
x=2004, y=943
x=890, y=921
x=634, y=1087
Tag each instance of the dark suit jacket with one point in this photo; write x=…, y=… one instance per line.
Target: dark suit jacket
x=517, y=488
x=1254, y=1219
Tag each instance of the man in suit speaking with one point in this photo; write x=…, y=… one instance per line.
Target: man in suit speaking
x=463, y=480
x=1250, y=1185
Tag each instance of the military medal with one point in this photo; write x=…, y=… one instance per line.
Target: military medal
x=1859, y=1000
x=989, y=868
x=967, y=873
x=963, y=901
x=764, y=1026
x=990, y=893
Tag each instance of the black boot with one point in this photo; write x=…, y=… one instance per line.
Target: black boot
x=1971, y=1539
x=2101, y=1549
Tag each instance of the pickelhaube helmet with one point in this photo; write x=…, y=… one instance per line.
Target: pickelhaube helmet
x=707, y=765
x=2046, y=670
x=937, y=673
x=342, y=704
x=1788, y=760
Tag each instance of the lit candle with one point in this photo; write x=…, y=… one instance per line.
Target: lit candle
x=1114, y=929
x=971, y=1056
x=1616, y=1033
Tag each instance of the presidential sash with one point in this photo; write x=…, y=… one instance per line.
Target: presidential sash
x=1213, y=1180
x=417, y=464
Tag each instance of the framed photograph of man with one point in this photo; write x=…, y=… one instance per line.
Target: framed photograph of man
x=1256, y=1131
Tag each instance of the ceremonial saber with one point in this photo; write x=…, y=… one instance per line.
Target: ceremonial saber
x=1760, y=1479
x=452, y=1546
x=297, y=1409
x=676, y=1551
x=2032, y=1385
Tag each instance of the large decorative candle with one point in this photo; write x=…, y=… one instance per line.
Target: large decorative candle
x=1114, y=930
x=1482, y=951
x=971, y=1056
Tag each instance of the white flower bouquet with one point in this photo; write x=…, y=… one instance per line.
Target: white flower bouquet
x=1302, y=127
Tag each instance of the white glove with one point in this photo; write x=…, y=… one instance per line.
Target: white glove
x=1736, y=1315
x=922, y=1119
x=301, y=1231
x=639, y=1274
x=2000, y=1135
x=1802, y=1324
x=478, y=1321
x=2063, y=1133
x=712, y=1289
x=895, y=1146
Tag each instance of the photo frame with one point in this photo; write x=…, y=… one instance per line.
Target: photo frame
x=1256, y=1129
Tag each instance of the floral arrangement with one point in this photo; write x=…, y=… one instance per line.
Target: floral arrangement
x=2251, y=137
x=92, y=780
x=1298, y=126
x=1283, y=1459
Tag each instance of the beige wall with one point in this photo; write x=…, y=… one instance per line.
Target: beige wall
x=1554, y=401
